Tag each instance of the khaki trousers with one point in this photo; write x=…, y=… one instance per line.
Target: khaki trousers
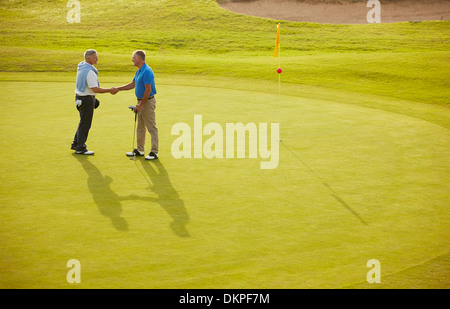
x=146, y=120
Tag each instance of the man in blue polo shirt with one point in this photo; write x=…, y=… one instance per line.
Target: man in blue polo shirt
x=144, y=85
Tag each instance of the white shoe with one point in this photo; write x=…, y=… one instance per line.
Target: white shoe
x=135, y=153
x=151, y=156
x=85, y=152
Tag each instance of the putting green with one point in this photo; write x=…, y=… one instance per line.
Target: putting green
x=353, y=184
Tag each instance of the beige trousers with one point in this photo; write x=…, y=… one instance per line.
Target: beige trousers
x=146, y=120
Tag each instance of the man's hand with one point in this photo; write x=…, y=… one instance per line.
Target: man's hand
x=148, y=90
x=113, y=90
x=125, y=87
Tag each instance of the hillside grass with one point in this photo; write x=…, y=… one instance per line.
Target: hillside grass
x=405, y=61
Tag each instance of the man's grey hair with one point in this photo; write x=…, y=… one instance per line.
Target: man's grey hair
x=89, y=53
x=140, y=53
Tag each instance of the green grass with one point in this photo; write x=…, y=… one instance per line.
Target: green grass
x=128, y=220
x=363, y=167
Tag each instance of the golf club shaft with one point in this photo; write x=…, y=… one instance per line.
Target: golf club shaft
x=134, y=130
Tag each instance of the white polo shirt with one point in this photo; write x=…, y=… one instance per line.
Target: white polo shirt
x=91, y=82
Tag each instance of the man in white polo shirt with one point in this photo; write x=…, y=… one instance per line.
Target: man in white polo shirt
x=86, y=89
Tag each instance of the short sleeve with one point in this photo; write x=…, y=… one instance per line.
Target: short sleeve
x=148, y=78
x=92, y=80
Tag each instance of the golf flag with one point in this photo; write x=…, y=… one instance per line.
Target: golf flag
x=279, y=70
x=277, y=43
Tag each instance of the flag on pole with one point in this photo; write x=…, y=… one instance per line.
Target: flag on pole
x=279, y=70
x=277, y=43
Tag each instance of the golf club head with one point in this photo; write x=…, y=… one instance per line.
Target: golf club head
x=131, y=107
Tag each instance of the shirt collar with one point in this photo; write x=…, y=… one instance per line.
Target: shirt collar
x=144, y=66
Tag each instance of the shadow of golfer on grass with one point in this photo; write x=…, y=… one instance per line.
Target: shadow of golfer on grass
x=107, y=201
x=331, y=190
x=168, y=197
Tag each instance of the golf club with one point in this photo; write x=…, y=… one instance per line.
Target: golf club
x=131, y=107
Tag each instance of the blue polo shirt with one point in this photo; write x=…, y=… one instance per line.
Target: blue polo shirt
x=144, y=76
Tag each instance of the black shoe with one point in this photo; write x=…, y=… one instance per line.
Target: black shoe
x=73, y=147
x=151, y=156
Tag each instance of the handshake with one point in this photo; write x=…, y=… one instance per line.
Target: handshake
x=113, y=90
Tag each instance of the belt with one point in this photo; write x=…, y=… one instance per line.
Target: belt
x=148, y=98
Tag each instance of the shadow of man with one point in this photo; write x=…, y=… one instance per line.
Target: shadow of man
x=168, y=197
x=331, y=190
x=107, y=201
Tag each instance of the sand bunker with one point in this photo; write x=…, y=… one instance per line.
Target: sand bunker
x=342, y=12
